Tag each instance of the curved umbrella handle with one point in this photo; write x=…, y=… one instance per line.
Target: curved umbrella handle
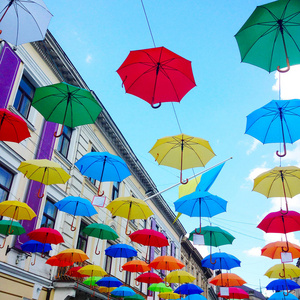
x=157, y=106
x=126, y=229
x=97, y=252
x=98, y=193
x=61, y=131
x=287, y=248
x=73, y=228
x=183, y=181
x=2, y=246
x=287, y=293
x=39, y=195
x=284, y=212
x=76, y=286
x=287, y=69
x=284, y=153
x=33, y=263
x=167, y=284
x=212, y=262
x=120, y=267
x=136, y=282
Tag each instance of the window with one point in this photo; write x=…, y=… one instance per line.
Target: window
x=49, y=214
x=92, y=180
x=157, y=227
x=6, y=178
x=115, y=190
x=82, y=238
x=174, y=254
x=64, y=141
x=128, y=274
x=145, y=223
x=24, y=97
x=108, y=260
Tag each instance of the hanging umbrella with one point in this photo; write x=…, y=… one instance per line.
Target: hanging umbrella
x=66, y=104
x=168, y=295
x=121, y=250
x=92, y=281
x=72, y=255
x=179, y=277
x=270, y=37
x=279, y=182
x=76, y=206
x=109, y=282
x=103, y=289
x=44, y=171
x=235, y=293
x=136, y=266
x=156, y=75
x=23, y=21
x=34, y=247
x=134, y=297
x=283, y=271
x=12, y=127
x=100, y=231
x=200, y=204
x=92, y=270
x=166, y=262
x=103, y=166
x=275, y=122
x=282, y=284
x=281, y=222
x=73, y=272
x=123, y=291
x=227, y=280
x=274, y=250
x=188, y=289
x=222, y=261
x=55, y=262
x=182, y=152
x=8, y=227
x=130, y=208
x=159, y=287
x=194, y=297
x=149, y=277
x=283, y=296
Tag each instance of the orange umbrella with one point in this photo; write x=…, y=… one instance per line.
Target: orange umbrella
x=136, y=266
x=72, y=256
x=165, y=262
x=54, y=261
x=274, y=250
x=227, y=279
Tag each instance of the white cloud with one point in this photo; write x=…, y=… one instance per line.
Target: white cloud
x=88, y=59
x=256, y=251
x=253, y=146
x=257, y=171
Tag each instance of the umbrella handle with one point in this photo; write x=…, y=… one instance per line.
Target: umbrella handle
x=39, y=191
x=76, y=286
x=126, y=229
x=93, y=294
x=284, y=153
x=61, y=131
x=97, y=252
x=33, y=263
x=73, y=228
x=120, y=267
x=43, y=255
x=167, y=284
x=212, y=262
x=284, y=212
x=2, y=246
x=39, y=195
x=287, y=69
x=183, y=181
x=157, y=106
x=136, y=282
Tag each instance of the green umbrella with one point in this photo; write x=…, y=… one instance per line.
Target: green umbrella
x=100, y=231
x=66, y=104
x=91, y=281
x=7, y=227
x=271, y=36
x=160, y=287
x=134, y=297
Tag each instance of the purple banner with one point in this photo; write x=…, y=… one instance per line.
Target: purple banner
x=45, y=151
x=9, y=66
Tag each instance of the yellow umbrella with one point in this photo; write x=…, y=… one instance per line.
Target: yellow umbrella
x=72, y=255
x=92, y=270
x=44, y=171
x=16, y=210
x=182, y=152
x=283, y=271
x=170, y=295
x=129, y=208
x=104, y=289
x=279, y=182
x=179, y=277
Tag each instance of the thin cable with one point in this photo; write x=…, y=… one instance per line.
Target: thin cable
x=176, y=117
x=148, y=23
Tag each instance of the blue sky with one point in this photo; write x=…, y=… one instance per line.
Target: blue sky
x=98, y=35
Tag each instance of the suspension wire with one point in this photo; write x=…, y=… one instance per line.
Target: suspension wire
x=176, y=118
x=279, y=96
x=148, y=23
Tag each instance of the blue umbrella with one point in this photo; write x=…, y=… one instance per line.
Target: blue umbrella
x=188, y=289
x=200, y=204
x=283, y=296
x=282, y=284
x=276, y=122
x=35, y=246
x=123, y=291
x=220, y=261
x=109, y=282
x=103, y=166
x=194, y=297
x=76, y=206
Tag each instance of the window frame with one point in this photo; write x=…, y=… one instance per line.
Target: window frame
x=115, y=190
x=61, y=142
x=2, y=187
x=128, y=274
x=108, y=260
x=92, y=180
x=48, y=217
x=82, y=237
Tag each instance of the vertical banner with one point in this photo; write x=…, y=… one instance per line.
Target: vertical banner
x=9, y=66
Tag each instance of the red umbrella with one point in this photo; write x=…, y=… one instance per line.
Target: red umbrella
x=149, y=237
x=235, y=293
x=149, y=278
x=12, y=127
x=54, y=261
x=281, y=222
x=73, y=272
x=157, y=75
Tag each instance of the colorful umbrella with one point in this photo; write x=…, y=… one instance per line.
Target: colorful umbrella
x=44, y=171
x=220, y=261
x=179, y=277
x=23, y=21
x=283, y=271
x=109, y=282
x=134, y=297
x=149, y=277
x=283, y=296
x=227, y=280
x=165, y=262
x=281, y=222
x=235, y=293
x=136, y=266
x=103, y=166
x=92, y=270
x=72, y=255
x=270, y=37
x=275, y=122
x=282, y=284
x=92, y=281
x=76, y=206
x=35, y=246
x=194, y=297
x=130, y=208
x=156, y=75
x=159, y=287
x=200, y=204
x=168, y=295
x=123, y=291
x=103, y=289
x=66, y=104
x=100, y=231
x=73, y=272
x=8, y=227
x=12, y=127
x=274, y=250
x=182, y=152
x=54, y=261
x=188, y=289
x=149, y=237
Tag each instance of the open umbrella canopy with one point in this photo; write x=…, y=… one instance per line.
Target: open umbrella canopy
x=179, y=277
x=220, y=261
x=283, y=271
x=35, y=246
x=274, y=250
x=16, y=210
x=72, y=255
x=270, y=38
x=104, y=289
x=120, y=250
x=109, y=282
x=73, y=272
x=235, y=293
x=123, y=291
x=136, y=266
x=12, y=127
x=159, y=287
x=282, y=284
x=46, y=235
x=149, y=237
x=92, y=281
x=92, y=270
x=227, y=280
x=23, y=21
x=166, y=262
x=168, y=295
x=156, y=75
x=149, y=277
x=134, y=297
x=194, y=297
x=54, y=261
x=101, y=231
x=11, y=228
x=283, y=296
x=188, y=289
